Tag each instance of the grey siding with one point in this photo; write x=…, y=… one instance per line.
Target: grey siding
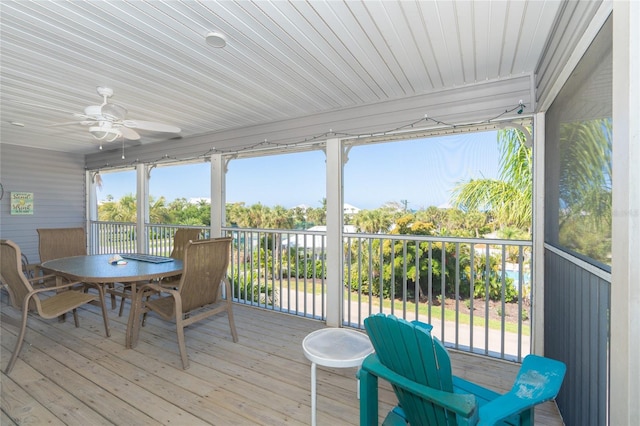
x=577, y=304
x=57, y=181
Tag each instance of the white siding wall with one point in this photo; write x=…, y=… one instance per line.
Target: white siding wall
x=57, y=181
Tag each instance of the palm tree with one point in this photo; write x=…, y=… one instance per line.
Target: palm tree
x=585, y=209
x=585, y=180
x=158, y=212
x=509, y=197
x=124, y=210
x=318, y=216
x=258, y=216
x=236, y=214
x=373, y=221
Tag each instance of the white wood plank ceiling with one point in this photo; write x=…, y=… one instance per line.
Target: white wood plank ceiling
x=282, y=60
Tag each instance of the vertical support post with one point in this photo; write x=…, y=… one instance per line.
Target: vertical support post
x=92, y=209
x=335, y=211
x=625, y=268
x=142, y=205
x=537, y=281
x=218, y=194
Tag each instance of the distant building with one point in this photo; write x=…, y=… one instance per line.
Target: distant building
x=315, y=242
x=199, y=200
x=349, y=209
x=301, y=207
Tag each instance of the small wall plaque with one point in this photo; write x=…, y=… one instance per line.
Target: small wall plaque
x=21, y=203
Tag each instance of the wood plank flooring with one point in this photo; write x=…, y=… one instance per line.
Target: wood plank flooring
x=77, y=376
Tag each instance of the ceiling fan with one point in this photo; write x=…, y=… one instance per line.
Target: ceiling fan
x=108, y=122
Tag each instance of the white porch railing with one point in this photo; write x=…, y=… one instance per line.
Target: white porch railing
x=475, y=292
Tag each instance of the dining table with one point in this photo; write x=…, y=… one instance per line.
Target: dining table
x=101, y=269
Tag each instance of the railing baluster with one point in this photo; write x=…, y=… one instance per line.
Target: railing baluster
x=443, y=288
x=277, y=269
x=456, y=295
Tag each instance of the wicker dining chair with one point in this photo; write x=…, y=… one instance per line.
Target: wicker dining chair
x=180, y=239
x=198, y=294
x=60, y=300
x=55, y=243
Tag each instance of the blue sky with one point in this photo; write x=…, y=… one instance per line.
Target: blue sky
x=421, y=171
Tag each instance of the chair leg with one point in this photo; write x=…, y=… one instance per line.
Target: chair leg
x=181, y=342
x=16, y=351
x=144, y=315
x=121, y=306
x=232, y=323
x=75, y=318
x=136, y=306
x=103, y=305
x=368, y=398
x=180, y=330
x=112, y=287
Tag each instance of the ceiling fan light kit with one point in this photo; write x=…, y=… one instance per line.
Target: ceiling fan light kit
x=104, y=133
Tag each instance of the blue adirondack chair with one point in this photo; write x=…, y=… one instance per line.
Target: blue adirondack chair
x=419, y=369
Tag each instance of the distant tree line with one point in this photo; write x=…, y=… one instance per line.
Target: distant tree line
x=480, y=206
x=383, y=220
x=178, y=212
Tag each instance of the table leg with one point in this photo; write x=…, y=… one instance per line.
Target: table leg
x=313, y=394
x=63, y=317
x=128, y=341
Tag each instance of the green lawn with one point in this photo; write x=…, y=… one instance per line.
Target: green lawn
x=449, y=314
x=423, y=309
x=463, y=318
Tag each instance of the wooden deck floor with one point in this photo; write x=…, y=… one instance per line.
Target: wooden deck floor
x=75, y=376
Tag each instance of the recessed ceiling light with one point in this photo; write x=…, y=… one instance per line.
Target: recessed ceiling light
x=216, y=39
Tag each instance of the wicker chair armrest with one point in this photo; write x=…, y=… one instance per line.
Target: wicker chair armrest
x=31, y=267
x=41, y=277
x=151, y=288
x=58, y=287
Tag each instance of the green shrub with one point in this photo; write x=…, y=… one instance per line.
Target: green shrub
x=247, y=289
x=492, y=279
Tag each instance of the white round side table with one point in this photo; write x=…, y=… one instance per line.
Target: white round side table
x=334, y=347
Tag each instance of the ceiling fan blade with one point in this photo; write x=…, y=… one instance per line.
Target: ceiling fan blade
x=69, y=123
x=43, y=107
x=130, y=134
x=150, y=125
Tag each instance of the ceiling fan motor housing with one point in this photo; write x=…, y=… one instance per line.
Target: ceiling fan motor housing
x=105, y=92
x=113, y=111
x=93, y=111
